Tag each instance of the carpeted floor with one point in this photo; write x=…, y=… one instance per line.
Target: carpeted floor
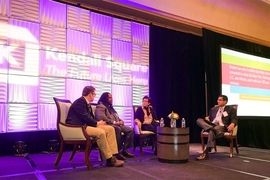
x=250, y=163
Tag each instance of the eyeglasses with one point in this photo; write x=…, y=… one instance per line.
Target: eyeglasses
x=94, y=94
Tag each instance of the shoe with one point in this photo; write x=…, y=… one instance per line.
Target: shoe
x=119, y=156
x=127, y=154
x=114, y=162
x=155, y=152
x=203, y=156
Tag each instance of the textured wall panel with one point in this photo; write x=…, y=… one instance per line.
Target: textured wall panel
x=4, y=59
x=78, y=42
x=3, y=30
x=101, y=47
x=140, y=54
x=120, y=75
x=3, y=88
x=122, y=95
x=74, y=88
x=53, y=64
x=22, y=89
x=52, y=13
x=121, y=29
x=140, y=33
x=25, y=9
x=51, y=87
x=52, y=38
x=78, y=19
x=3, y=118
x=23, y=61
x=100, y=70
x=22, y=117
x=28, y=36
x=4, y=8
x=47, y=116
x=101, y=88
x=121, y=51
x=126, y=114
x=140, y=76
x=78, y=71
x=101, y=25
x=138, y=92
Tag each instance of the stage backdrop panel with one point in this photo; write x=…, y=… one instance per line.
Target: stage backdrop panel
x=49, y=49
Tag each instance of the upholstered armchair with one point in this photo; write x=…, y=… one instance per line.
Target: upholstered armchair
x=71, y=134
x=139, y=133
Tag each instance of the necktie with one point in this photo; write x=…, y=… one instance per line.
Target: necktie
x=90, y=109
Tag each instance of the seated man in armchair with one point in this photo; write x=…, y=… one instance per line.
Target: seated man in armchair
x=107, y=113
x=221, y=118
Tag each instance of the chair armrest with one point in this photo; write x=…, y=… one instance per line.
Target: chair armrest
x=137, y=127
x=72, y=132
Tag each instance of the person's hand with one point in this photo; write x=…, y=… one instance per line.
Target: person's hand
x=230, y=127
x=101, y=123
x=207, y=118
x=121, y=122
x=117, y=123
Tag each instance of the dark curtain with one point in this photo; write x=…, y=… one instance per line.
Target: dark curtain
x=177, y=76
x=252, y=131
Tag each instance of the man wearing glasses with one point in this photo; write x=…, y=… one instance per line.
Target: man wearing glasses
x=80, y=113
x=221, y=118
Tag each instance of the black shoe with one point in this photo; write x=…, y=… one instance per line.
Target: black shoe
x=114, y=162
x=203, y=156
x=120, y=156
x=127, y=154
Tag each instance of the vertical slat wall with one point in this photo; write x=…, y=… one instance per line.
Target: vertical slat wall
x=49, y=49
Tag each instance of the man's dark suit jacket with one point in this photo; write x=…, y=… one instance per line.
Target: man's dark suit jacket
x=79, y=114
x=140, y=115
x=231, y=118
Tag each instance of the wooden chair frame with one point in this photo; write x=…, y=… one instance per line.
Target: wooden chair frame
x=86, y=140
x=139, y=133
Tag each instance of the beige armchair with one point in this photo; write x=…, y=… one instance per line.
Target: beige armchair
x=71, y=134
x=139, y=133
x=231, y=136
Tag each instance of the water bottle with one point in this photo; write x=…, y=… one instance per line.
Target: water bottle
x=183, y=123
x=161, y=122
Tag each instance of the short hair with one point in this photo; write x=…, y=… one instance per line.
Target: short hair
x=148, y=98
x=104, y=98
x=87, y=90
x=224, y=97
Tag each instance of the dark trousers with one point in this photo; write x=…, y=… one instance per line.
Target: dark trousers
x=124, y=141
x=153, y=128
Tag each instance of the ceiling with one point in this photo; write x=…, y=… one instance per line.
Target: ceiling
x=245, y=19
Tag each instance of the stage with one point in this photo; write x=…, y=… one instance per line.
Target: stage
x=251, y=163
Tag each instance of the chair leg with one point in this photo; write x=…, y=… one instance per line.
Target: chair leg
x=73, y=152
x=231, y=147
x=60, y=153
x=236, y=145
x=215, y=146
x=86, y=154
x=141, y=144
x=202, y=140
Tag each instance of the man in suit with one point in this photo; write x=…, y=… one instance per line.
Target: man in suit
x=107, y=113
x=221, y=118
x=80, y=113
